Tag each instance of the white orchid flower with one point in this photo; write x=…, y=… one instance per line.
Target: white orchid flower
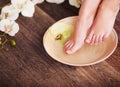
x=55, y=1
x=37, y=1
x=26, y=7
x=9, y=27
x=9, y=12
x=75, y=3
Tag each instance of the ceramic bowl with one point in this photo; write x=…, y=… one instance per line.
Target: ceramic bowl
x=87, y=55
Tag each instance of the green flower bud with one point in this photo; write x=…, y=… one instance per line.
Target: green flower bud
x=12, y=43
x=0, y=42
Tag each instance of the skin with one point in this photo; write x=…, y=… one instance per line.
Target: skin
x=95, y=23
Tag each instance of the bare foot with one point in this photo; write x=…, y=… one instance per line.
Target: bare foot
x=86, y=17
x=104, y=22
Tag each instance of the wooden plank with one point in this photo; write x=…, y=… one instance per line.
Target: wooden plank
x=28, y=65
x=3, y=3
x=58, y=11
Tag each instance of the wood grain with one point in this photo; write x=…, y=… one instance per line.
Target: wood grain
x=28, y=65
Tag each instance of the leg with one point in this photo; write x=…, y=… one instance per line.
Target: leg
x=104, y=21
x=85, y=19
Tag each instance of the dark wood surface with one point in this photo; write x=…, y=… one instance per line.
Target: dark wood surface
x=28, y=65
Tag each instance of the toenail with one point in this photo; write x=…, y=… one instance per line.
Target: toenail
x=91, y=43
x=88, y=41
x=68, y=51
x=96, y=44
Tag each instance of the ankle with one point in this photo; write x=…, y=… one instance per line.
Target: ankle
x=110, y=5
x=88, y=7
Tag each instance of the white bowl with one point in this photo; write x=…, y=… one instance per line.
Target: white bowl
x=87, y=55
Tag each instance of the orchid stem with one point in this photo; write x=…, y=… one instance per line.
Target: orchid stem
x=1, y=7
x=6, y=40
x=2, y=34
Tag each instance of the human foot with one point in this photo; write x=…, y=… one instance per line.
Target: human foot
x=76, y=41
x=103, y=23
x=86, y=17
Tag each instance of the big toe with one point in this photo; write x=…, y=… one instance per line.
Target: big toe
x=74, y=48
x=105, y=37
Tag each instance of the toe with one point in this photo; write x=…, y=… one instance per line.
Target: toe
x=67, y=45
x=92, y=40
x=70, y=46
x=100, y=39
x=104, y=37
x=89, y=38
x=96, y=40
x=72, y=50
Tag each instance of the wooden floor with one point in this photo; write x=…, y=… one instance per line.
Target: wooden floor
x=28, y=65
